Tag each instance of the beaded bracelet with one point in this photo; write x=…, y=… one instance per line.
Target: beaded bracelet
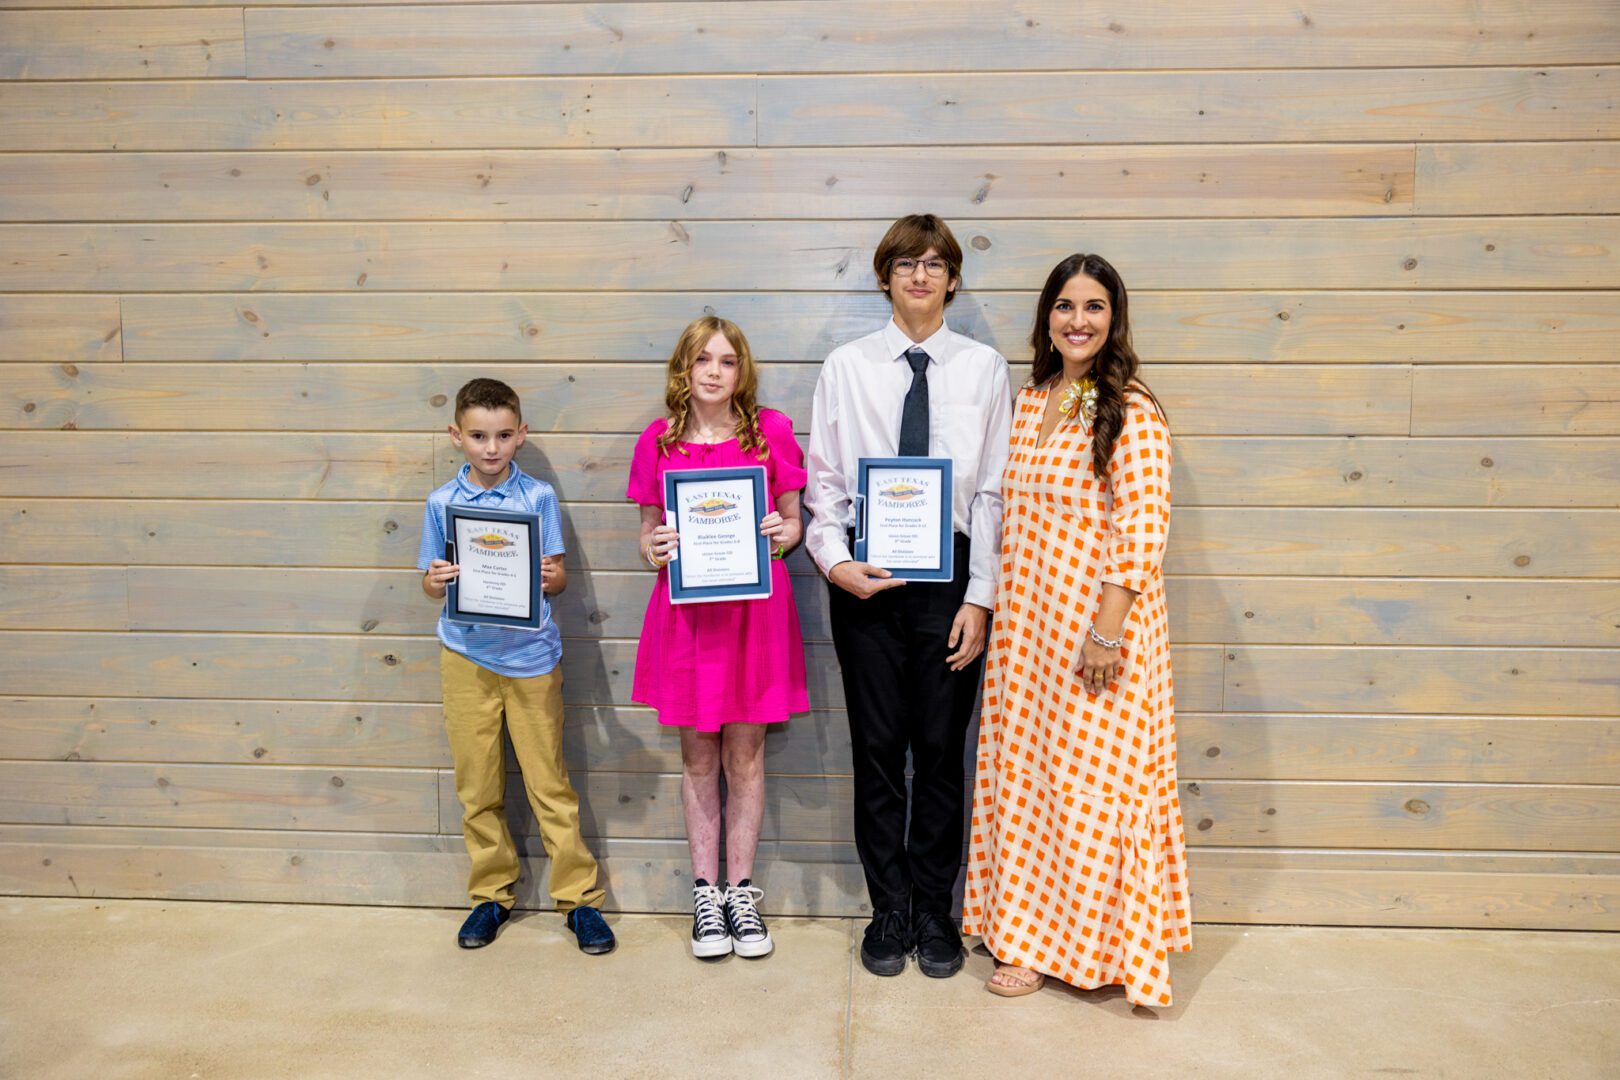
x=652, y=560
x=1104, y=642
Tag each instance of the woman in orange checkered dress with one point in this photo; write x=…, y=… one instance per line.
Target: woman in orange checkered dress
x=1077, y=865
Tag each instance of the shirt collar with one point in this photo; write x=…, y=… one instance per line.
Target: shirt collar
x=938, y=345
x=504, y=489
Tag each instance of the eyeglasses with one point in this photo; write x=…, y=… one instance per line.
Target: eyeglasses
x=907, y=267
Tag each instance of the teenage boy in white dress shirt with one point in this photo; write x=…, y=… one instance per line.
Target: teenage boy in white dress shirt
x=911, y=652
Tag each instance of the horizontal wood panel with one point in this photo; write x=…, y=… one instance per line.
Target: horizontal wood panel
x=1361, y=472
x=1477, y=401
x=176, y=43
x=376, y=669
x=1513, y=816
x=1382, y=611
x=230, y=732
x=1428, y=105
x=1285, y=253
x=1181, y=327
x=1495, y=749
x=367, y=800
x=376, y=115
x=1512, y=682
x=187, y=532
x=1394, y=898
x=1392, y=542
x=1114, y=181
x=1247, y=399
x=63, y=598
x=606, y=738
x=182, y=464
x=1519, y=178
x=298, y=601
x=803, y=879
x=59, y=329
x=952, y=35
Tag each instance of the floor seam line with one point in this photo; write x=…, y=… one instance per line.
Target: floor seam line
x=849, y=998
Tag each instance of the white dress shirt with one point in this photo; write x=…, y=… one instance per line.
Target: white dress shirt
x=858, y=401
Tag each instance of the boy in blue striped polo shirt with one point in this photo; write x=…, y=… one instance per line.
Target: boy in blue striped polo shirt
x=498, y=676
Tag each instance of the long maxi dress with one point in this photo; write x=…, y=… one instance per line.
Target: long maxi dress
x=735, y=661
x=1077, y=863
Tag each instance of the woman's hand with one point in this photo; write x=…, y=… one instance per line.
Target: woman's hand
x=1097, y=667
x=663, y=543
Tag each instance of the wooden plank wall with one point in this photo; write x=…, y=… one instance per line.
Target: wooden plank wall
x=249, y=253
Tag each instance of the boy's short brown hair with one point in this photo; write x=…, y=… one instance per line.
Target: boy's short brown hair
x=487, y=394
x=910, y=237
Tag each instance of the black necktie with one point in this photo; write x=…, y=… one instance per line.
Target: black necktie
x=914, y=413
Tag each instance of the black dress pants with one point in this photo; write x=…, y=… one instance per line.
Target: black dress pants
x=901, y=696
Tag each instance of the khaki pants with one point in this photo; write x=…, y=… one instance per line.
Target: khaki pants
x=477, y=704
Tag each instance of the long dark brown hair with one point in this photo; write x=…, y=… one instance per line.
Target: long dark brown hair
x=1116, y=365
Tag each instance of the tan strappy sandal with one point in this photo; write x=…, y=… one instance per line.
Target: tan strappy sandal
x=1021, y=988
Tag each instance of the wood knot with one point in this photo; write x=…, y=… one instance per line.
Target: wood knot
x=1213, y=751
x=259, y=751
x=70, y=369
x=1487, y=462
x=390, y=526
x=1206, y=824
x=369, y=625
x=1416, y=806
x=337, y=781
x=1522, y=560
x=390, y=659
x=980, y=243
x=1409, y=264
x=437, y=401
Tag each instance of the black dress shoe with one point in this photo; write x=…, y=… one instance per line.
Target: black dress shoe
x=887, y=941
x=939, y=944
x=590, y=931
x=482, y=925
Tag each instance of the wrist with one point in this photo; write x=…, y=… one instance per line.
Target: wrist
x=1107, y=641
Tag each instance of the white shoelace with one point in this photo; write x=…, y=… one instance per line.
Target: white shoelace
x=706, y=904
x=740, y=901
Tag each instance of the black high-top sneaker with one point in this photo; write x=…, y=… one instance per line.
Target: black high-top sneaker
x=710, y=938
x=748, y=934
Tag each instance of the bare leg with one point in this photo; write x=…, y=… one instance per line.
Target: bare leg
x=700, y=800
x=744, y=753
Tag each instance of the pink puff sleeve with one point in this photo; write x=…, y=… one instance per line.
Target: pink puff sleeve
x=645, y=486
x=785, y=469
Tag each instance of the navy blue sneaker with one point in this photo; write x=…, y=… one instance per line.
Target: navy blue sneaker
x=482, y=925
x=592, y=933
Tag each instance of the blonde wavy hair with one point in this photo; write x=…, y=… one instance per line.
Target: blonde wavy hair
x=678, y=386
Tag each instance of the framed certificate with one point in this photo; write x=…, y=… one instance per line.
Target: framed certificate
x=903, y=515
x=499, y=555
x=721, y=555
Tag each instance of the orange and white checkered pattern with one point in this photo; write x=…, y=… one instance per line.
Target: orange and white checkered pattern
x=1077, y=864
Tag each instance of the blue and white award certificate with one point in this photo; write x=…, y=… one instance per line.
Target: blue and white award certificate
x=721, y=554
x=905, y=505
x=499, y=555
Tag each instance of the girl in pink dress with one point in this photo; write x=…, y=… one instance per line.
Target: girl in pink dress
x=720, y=671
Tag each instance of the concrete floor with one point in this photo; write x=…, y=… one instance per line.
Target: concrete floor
x=114, y=989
